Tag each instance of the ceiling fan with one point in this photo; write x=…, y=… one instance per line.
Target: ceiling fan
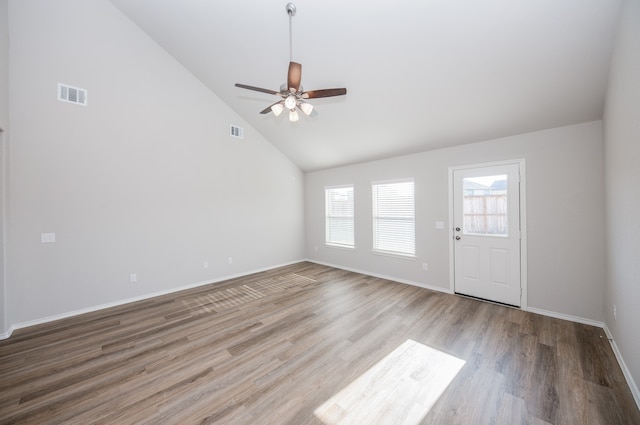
x=292, y=94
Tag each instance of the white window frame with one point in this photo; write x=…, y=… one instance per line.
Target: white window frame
x=328, y=217
x=378, y=245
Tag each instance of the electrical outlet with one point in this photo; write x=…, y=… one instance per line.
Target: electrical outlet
x=615, y=312
x=133, y=278
x=229, y=260
x=425, y=266
x=205, y=265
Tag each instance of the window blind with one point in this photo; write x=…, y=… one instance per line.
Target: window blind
x=394, y=217
x=339, y=216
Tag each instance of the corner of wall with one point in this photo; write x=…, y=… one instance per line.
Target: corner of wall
x=625, y=369
x=621, y=150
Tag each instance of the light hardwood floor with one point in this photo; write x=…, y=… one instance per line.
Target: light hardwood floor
x=309, y=344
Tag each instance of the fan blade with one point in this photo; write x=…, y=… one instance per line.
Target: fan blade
x=314, y=94
x=243, y=86
x=268, y=108
x=294, y=76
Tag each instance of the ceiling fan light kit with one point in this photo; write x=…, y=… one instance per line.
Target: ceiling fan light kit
x=277, y=109
x=290, y=102
x=307, y=108
x=292, y=93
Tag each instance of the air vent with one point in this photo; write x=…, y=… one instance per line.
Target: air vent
x=237, y=132
x=72, y=94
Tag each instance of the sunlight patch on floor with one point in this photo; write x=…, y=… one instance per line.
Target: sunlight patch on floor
x=399, y=389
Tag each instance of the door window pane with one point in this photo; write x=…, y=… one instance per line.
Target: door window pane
x=485, y=205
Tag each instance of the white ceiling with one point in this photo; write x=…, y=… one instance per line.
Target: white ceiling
x=420, y=74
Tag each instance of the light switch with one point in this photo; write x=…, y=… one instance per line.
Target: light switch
x=47, y=237
x=439, y=224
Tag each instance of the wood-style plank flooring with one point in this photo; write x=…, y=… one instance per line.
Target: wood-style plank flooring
x=309, y=344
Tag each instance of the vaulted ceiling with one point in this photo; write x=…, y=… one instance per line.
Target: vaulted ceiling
x=420, y=74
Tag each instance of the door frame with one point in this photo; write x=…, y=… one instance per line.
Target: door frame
x=523, y=223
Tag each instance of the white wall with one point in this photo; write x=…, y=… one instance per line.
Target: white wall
x=4, y=64
x=144, y=180
x=4, y=124
x=565, y=215
x=622, y=176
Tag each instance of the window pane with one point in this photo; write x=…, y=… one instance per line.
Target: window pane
x=339, y=216
x=394, y=217
x=485, y=205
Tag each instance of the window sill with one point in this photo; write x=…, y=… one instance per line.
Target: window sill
x=410, y=257
x=337, y=246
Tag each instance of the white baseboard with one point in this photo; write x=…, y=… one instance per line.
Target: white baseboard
x=91, y=309
x=625, y=370
x=562, y=316
x=381, y=276
x=7, y=333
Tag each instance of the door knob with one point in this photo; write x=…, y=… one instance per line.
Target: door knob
x=457, y=238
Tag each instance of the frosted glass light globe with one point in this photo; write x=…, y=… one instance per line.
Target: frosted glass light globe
x=290, y=102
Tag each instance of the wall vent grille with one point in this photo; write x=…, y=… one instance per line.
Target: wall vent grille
x=72, y=94
x=237, y=132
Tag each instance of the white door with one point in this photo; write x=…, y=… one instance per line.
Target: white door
x=486, y=232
